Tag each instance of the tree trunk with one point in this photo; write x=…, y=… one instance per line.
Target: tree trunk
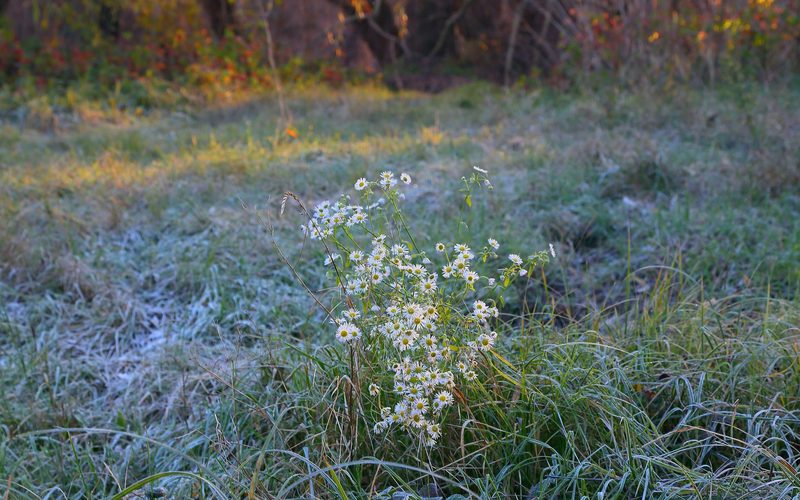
x=376, y=27
x=108, y=19
x=220, y=16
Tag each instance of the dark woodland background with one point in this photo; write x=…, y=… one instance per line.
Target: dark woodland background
x=416, y=44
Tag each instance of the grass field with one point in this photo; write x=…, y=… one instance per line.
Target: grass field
x=148, y=328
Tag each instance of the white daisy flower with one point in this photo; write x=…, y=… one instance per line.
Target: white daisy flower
x=416, y=321
x=493, y=243
x=410, y=310
x=351, y=314
x=516, y=259
x=401, y=409
x=417, y=420
x=361, y=184
x=429, y=285
x=405, y=342
x=443, y=398
x=434, y=431
x=362, y=287
x=420, y=406
x=447, y=271
x=347, y=332
x=435, y=356
x=414, y=391
x=399, y=250
x=376, y=276
x=417, y=271
x=485, y=342
x=387, y=180
x=357, y=218
x=405, y=178
x=460, y=266
x=338, y=218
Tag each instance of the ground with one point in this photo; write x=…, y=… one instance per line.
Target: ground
x=148, y=325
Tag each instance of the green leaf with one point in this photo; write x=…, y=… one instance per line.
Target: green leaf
x=120, y=420
x=339, y=486
x=155, y=477
x=468, y=199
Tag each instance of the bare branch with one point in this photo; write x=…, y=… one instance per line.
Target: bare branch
x=512, y=41
x=446, y=29
x=286, y=117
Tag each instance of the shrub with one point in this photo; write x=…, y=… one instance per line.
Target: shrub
x=418, y=324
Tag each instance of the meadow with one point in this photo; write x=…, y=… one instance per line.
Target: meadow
x=154, y=342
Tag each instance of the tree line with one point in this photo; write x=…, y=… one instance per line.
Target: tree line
x=502, y=40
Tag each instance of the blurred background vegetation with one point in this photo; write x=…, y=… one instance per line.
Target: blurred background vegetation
x=413, y=44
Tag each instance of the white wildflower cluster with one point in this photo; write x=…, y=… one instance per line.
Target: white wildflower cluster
x=328, y=216
x=420, y=319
